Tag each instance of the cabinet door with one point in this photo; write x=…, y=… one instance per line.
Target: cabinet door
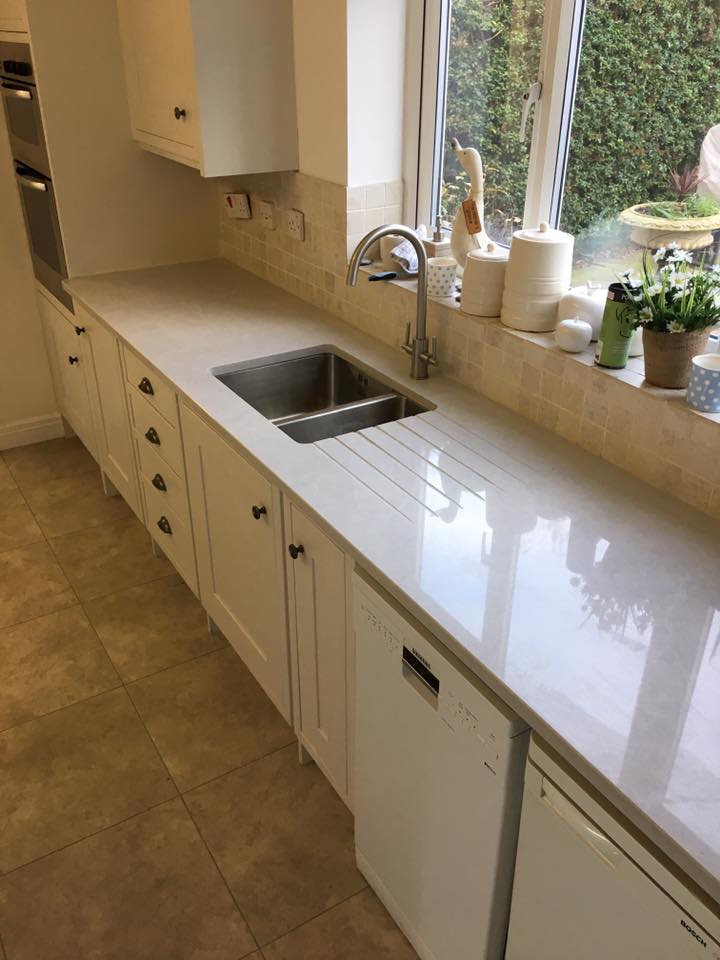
x=319, y=614
x=159, y=63
x=112, y=419
x=71, y=361
x=12, y=15
x=239, y=558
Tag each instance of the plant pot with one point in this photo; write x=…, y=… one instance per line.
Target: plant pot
x=668, y=356
x=692, y=233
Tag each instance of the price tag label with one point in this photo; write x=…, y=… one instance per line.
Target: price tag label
x=472, y=216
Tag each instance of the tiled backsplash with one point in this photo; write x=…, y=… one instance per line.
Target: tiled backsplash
x=651, y=433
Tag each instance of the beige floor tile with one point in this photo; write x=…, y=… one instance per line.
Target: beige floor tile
x=7, y=484
x=143, y=890
x=17, y=524
x=31, y=584
x=103, y=560
x=151, y=627
x=282, y=838
x=49, y=663
x=208, y=717
x=67, y=504
x=46, y=461
x=359, y=929
x=72, y=773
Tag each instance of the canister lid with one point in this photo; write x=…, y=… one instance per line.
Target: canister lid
x=493, y=251
x=543, y=234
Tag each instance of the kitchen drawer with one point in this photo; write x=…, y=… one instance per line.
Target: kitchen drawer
x=157, y=472
x=154, y=432
x=148, y=384
x=173, y=536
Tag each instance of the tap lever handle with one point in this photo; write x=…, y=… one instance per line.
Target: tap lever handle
x=431, y=355
x=407, y=345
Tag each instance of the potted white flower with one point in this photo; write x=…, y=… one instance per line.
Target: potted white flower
x=677, y=303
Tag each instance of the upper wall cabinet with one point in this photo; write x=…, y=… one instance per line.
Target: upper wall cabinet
x=13, y=17
x=212, y=84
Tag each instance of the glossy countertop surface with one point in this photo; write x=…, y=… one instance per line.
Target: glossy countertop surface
x=587, y=600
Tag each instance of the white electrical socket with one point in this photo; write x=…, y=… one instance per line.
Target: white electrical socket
x=266, y=213
x=237, y=206
x=296, y=224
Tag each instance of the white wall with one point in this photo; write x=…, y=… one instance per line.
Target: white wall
x=120, y=207
x=376, y=80
x=28, y=410
x=321, y=81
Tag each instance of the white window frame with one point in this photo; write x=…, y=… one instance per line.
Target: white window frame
x=427, y=52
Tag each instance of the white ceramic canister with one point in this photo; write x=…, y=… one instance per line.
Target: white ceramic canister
x=484, y=281
x=586, y=302
x=538, y=274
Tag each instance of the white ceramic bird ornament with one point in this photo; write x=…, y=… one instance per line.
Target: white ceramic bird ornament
x=468, y=232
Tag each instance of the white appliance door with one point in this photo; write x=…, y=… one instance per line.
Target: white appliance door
x=577, y=896
x=438, y=788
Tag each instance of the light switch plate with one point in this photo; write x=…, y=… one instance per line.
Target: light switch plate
x=266, y=214
x=296, y=224
x=237, y=206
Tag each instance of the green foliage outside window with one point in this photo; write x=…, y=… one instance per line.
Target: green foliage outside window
x=648, y=91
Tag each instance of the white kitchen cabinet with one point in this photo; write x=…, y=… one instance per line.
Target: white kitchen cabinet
x=212, y=84
x=161, y=464
x=13, y=16
x=237, y=524
x=106, y=388
x=322, y=646
x=71, y=362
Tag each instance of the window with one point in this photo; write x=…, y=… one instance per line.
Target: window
x=628, y=94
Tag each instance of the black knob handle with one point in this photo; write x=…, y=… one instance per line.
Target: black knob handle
x=79, y=330
x=257, y=512
x=152, y=435
x=72, y=360
x=146, y=387
x=159, y=483
x=180, y=113
x=295, y=551
x=164, y=525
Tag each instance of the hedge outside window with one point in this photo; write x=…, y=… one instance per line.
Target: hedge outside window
x=647, y=93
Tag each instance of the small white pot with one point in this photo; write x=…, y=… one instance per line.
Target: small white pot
x=573, y=335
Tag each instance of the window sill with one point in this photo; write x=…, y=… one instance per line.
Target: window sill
x=633, y=375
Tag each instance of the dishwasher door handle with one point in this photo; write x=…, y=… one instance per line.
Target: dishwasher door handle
x=584, y=828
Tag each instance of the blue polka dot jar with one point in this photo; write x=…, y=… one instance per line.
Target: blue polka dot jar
x=703, y=391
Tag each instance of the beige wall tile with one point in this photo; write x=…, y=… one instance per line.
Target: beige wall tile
x=650, y=432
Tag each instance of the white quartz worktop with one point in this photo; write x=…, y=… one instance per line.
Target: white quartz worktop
x=584, y=598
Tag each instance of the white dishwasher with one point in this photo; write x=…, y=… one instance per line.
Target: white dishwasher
x=439, y=764
x=588, y=888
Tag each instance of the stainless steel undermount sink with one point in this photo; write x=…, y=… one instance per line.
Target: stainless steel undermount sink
x=318, y=396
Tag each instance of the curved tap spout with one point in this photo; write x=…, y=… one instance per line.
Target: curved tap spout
x=417, y=347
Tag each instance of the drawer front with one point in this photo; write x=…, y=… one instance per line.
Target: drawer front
x=158, y=474
x=149, y=385
x=172, y=535
x=154, y=432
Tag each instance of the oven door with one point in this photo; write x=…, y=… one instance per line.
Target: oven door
x=43, y=229
x=22, y=110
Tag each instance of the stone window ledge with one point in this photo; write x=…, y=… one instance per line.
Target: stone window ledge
x=632, y=375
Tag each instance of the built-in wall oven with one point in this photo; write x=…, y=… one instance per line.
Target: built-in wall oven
x=32, y=167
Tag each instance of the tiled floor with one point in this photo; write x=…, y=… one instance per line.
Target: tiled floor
x=151, y=801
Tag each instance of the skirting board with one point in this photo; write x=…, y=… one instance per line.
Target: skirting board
x=19, y=433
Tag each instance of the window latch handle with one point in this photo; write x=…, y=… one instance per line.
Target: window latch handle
x=531, y=98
